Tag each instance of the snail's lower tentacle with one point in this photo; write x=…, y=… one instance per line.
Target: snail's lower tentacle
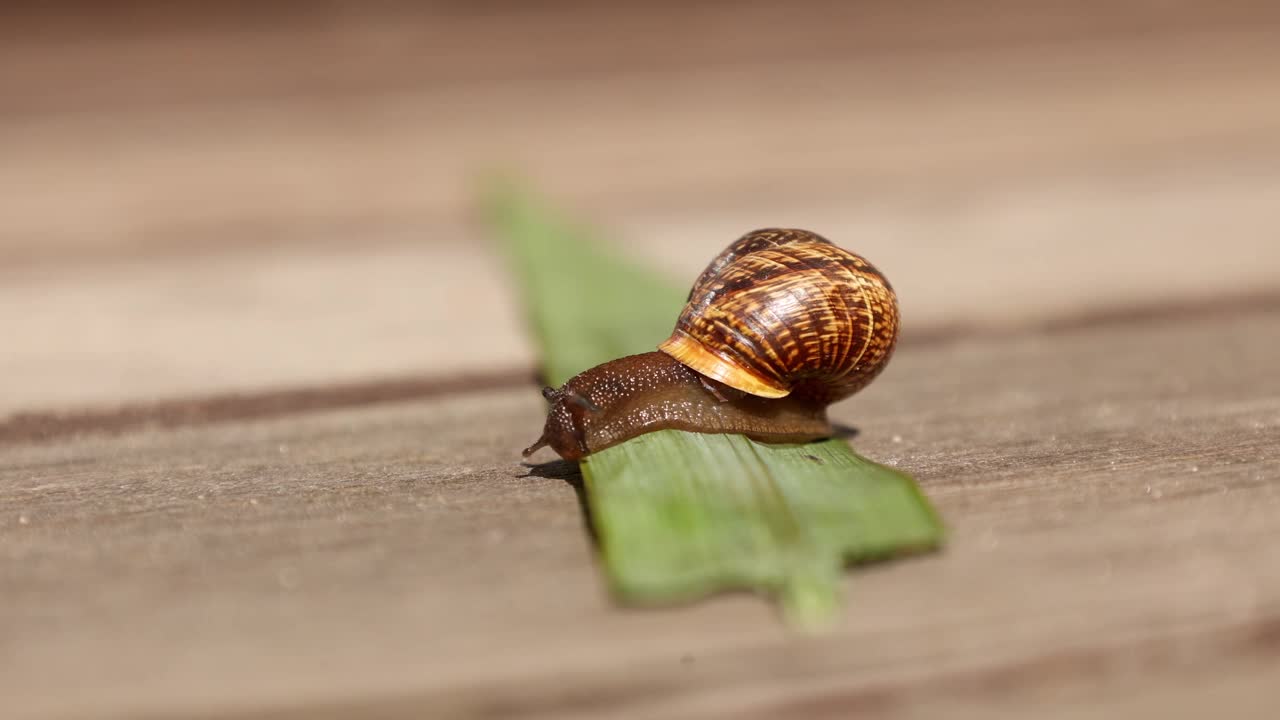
x=541, y=443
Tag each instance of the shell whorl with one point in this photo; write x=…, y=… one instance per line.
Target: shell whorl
x=785, y=310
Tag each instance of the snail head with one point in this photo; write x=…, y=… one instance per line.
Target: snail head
x=563, y=431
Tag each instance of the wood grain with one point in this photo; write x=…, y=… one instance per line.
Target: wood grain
x=1111, y=494
x=194, y=131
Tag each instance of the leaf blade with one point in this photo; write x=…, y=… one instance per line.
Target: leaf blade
x=682, y=515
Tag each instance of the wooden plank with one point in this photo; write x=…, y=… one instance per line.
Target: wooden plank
x=79, y=56
x=1112, y=494
x=215, y=134
x=192, y=324
x=89, y=336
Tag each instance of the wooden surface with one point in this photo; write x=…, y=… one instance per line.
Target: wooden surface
x=257, y=460
x=1114, y=526
x=250, y=201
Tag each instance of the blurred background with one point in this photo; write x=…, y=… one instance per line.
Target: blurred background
x=204, y=198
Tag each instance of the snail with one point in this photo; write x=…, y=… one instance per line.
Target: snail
x=781, y=324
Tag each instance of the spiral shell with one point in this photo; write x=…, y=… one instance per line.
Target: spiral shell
x=783, y=311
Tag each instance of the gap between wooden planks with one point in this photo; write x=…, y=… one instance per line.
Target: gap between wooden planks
x=44, y=426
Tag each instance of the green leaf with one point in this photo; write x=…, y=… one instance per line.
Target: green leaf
x=587, y=305
x=682, y=515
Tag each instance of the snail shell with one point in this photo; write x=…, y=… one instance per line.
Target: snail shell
x=783, y=311
x=779, y=325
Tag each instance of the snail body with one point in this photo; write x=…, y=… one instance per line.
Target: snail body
x=780, y=325
x=637, y=394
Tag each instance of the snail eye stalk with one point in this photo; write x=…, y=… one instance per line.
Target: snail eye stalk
x=579, y=400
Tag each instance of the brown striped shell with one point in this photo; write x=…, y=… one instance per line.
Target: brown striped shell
x=785, y=311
